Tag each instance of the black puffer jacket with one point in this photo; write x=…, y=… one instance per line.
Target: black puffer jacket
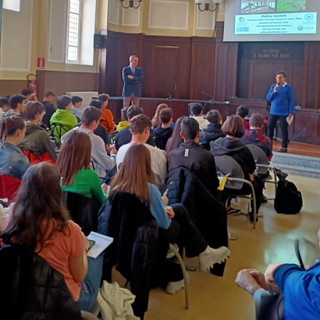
x=205, y=211
x=134, y=249
x=31, y=289
x=237, y=150
x=211, y=133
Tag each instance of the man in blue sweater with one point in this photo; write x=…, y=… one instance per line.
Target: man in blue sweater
x=282, y=106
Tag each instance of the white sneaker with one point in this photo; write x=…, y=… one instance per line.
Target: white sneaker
x=211, y=256
x=174, y=287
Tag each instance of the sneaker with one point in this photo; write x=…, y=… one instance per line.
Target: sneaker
x=174, y=287
x=282, y=150
x=234, y=212
x=211, y=256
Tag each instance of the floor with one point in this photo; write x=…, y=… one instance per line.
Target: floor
x=215, y=298
x=219, y=298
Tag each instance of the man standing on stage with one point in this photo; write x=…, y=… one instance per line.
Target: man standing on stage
x=132, y=77
x=282, y=107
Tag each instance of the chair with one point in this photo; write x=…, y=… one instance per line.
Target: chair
x=229, y=168
x=35, y=158
x=263, y=166
x=58, y=130
x=8, y=189
x=83, y=210
x=31, y=289
x=136, y=251
x=88, y=316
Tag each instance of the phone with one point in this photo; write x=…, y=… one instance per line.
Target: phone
x=91, y=244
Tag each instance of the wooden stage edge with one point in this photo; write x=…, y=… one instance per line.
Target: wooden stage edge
x=305, y=128
x=303, y=149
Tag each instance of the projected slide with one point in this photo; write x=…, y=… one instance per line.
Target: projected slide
x=272, y=20
x=274, y=17
x=278, y=23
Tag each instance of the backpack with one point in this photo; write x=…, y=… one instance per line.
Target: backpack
x=288, y=199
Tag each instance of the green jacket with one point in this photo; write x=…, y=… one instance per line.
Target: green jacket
x=61, y=122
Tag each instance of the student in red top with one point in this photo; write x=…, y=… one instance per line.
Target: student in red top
x=107, y=117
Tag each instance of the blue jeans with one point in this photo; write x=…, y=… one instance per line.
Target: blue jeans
x=91, y=284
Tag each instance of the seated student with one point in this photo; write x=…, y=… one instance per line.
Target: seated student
x=213, y=131
x=136, y=166
x=164, y=132
x=4, y=106
x=242, y=112
x=299, y=290
x=124, y=136
x=255, y=135
x=100, y=131
x=48, y=107
x=191, y=156
x=74, y=166
x=76, y=107
x=233, y=147
x=197, y=113
x=175, y=140
x=107, y=116
x=36, y=138
x=29, y=94
x=12, y=160
x=40, y=221
x=156, y=122
x=140, y=130
x=124, y=120
x=62, y=117
x=101, y=162
x=17, y=105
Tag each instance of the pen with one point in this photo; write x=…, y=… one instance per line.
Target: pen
x=105, y=180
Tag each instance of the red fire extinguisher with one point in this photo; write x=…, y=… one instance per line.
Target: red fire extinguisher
x=32, y=82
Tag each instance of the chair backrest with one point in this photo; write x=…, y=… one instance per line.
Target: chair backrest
x=230, y=168
x=58, y=130
x=259, y=157
x=83, y=210
x=35, y=158
x=31, y=289
x=8, y=188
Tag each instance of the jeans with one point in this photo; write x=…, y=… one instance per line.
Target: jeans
x=272, y=121
x=91, y=284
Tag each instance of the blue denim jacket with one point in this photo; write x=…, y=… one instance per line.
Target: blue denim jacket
x=12, y=160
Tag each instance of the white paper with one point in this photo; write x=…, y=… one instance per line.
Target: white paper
x=289, y=120
x=101, y=243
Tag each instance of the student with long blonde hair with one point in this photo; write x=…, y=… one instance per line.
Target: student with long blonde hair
x=135, y=176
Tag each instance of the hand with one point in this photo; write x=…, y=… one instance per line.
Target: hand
x=170, y=212
x=247, y=281
x=251, y=177
x=268, y=275
x=275, y=89
x=130, y=77
x=259, y=277
x=165, y=200
x=104, y=187
x=113, y=151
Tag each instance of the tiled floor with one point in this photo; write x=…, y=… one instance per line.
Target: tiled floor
x=214, y=298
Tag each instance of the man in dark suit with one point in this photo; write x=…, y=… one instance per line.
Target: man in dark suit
x=132, y=77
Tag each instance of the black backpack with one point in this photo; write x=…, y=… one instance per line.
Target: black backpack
x=288, y=199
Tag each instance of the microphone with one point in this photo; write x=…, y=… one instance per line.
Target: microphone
x=211, y=100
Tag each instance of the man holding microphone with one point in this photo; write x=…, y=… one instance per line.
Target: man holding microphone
x=282, y=107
